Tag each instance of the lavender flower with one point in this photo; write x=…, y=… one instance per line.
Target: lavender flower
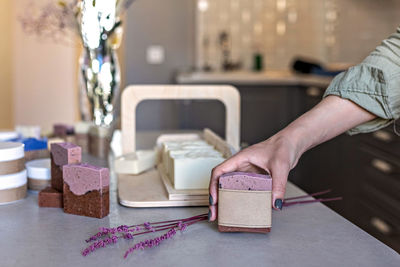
x=148, y=226
x=149, y=243
x=100, y=244
x=110, y=236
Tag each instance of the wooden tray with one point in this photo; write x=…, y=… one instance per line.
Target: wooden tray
x=153, y=188
x=147, y=190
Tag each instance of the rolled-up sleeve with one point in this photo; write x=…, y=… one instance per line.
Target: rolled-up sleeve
x=374, y=85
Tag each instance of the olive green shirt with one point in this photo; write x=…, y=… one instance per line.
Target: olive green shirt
x=374, y=85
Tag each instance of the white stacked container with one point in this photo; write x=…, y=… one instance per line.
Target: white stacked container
x=13, y=178
x=38, y=174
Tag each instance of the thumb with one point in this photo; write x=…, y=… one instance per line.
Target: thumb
x=279, y=180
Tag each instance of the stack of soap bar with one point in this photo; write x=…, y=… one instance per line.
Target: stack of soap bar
x=62, y=154
x=13, y=181
x=99, y=141
x=244, y=202
x=38, y=174
x=82, y=135
x=8, y=135
x=136, y=162
x=188, y=164
x=28, y=131
x=172, y=148
x=35, y=148
x=192, y=170
x=50, y=198
x=54, y=140
x=64, y=131
x=86, y=190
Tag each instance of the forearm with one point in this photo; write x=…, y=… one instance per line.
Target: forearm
x=331, y=117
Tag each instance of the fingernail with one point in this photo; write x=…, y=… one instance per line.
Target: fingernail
x=210, y=199
x=278, y=203
x=209, y=215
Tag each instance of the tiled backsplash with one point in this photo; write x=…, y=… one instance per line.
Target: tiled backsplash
x=326, y=30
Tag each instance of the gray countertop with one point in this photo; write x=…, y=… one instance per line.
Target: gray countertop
x=303, y=235
x=276, y=78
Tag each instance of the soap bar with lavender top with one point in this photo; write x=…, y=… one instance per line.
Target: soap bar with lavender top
x=62, y=130
x=62, y=154
x=86, y=190
x=244, y=202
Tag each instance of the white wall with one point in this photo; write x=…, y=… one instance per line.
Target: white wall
x=44, y=77
x=6, y=114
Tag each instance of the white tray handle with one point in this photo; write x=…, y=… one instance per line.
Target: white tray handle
x=134, y=94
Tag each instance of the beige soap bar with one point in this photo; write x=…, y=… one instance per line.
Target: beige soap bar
x=192, y=170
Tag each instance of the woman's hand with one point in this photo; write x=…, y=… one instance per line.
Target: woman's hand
x=280, y=153
x=275, y=156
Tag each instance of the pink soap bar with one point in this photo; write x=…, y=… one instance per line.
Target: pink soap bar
x=245, y=181
x=82, y=178
x=66, y=153
x=62, y=129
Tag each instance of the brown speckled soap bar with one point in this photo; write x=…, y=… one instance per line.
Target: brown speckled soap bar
x=62, y=154
x=86, y=190
x=50, y=198
x=244, y=203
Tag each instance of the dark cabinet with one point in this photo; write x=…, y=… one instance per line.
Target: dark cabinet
x=364, y=169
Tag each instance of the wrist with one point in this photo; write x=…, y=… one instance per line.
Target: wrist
x=299, y=138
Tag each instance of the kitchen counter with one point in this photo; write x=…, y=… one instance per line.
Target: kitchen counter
x=284, y=78
x=303, y=235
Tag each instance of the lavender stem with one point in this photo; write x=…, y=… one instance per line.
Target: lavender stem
x=286, y=204
x=310, y=195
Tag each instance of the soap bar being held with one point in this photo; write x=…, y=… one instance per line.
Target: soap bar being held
x=244, y=202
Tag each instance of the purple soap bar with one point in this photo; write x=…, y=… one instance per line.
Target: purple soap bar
x=82, y=178
x=245, y=181
x=66, y=153
x=62, y=129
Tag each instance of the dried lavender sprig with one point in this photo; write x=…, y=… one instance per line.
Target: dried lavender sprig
x=170, y=221
x=309, y=195
x=286, y=204
x=106, y=231
x=124, y=228
x=156, y=241
x=149, y=243
x=169, y=227
x=100, y=244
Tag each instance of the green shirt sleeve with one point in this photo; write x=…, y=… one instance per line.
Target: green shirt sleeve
x=374, y=85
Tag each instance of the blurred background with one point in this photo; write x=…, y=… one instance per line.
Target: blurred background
x=280, y=54
x=162, y=39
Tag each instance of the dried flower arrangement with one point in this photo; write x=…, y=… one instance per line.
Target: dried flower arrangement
x=108, y=236
x=58, y=20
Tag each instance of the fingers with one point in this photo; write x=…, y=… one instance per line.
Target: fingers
x=229, y=165
x=212, y=213
x=279, y=180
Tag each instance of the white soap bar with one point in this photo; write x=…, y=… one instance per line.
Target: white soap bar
x=136, y=162
x=82, y=127
x=193, y=170
x=180, y=146
x=28, y=131
x=181, y=153
x=39, y=169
